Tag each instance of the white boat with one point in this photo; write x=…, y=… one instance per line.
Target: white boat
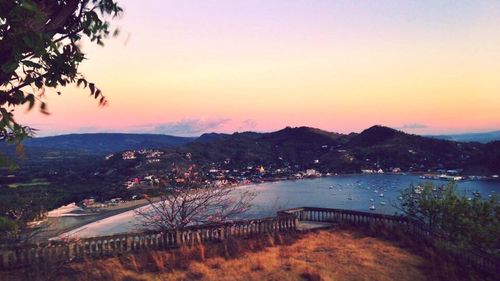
x=372, y=208
x=418, y=189
x=382, y=203
x=381, y=195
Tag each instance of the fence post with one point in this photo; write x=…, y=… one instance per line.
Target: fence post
x=177, y=238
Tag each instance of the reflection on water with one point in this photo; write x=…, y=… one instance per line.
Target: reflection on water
x=355, y=192
x=370, y=193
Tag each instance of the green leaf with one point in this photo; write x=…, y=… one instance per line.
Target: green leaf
x=5, y=116
x=9, y=67
x=43, y=109
x=31, y=99
x=18, y=96
x=81, y=81
x=38, y=82
x=29, y=5
x=92, y=88
x=31, y=64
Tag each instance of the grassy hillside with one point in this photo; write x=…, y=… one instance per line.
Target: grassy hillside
x=324, y=255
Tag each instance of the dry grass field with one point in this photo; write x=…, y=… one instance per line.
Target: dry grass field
x=323, y=255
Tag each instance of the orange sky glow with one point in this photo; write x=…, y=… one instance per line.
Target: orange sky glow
x=189, y=67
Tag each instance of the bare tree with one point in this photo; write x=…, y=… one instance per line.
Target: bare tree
x=193, y=206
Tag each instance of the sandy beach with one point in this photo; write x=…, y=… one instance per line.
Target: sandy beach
x=54, y=226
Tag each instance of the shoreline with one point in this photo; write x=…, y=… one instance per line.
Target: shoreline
x=55, y=226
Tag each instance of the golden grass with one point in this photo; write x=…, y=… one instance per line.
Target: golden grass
x=323, y=255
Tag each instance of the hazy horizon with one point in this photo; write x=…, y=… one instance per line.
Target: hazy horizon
x=428, y=67
x=241, y=131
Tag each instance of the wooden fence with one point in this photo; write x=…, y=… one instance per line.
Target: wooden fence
x=12, y=256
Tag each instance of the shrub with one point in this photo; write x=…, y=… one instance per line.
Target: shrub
x=467, y=222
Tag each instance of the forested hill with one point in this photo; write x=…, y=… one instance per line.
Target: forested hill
x=103, y=143
x=297, y=148
x=377, y=146
x=67, y=169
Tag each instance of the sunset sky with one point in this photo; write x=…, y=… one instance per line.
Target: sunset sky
x=186, y=67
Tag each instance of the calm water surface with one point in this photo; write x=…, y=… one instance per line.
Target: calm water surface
x=355, y=192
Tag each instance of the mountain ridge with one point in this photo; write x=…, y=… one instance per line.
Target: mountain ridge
x=114, y=142
x=106, y=142
x=302, y=147
x=375, y=147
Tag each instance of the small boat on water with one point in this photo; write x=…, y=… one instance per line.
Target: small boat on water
x=418, y=190
x=382, y=203
x=371, y=200
x=381, y=194
x=331, y=186
x=372, y=208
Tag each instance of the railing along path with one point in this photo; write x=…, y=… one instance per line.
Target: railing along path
x=19, y=255
x=12, y=256
x=480, y=260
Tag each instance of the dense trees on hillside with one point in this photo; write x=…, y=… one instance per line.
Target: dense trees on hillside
x=473, y=223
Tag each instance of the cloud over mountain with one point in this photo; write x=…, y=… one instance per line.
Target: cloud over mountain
x=185, y=127
x=413, y=126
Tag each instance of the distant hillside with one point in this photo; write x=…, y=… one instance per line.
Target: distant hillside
x=471, y=137
x=74, y=166
x=289, y=149
x=375, y=147
x=105, y=142
x=208, y=137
